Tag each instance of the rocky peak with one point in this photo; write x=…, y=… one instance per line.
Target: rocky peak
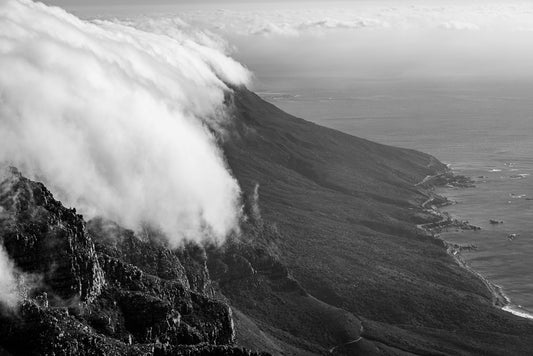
x=46, y=239
x=154, y=299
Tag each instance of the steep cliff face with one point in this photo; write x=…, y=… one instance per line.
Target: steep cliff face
x=48, y=240
x=101, y=289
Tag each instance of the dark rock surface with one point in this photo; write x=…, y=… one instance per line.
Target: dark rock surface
x=449, y=179
x=48, y=240
x=102, y=290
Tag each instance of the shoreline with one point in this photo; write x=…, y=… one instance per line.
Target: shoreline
x=499, y=298
x=449, y=180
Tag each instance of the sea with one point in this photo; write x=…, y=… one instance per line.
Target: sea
x=482, y=128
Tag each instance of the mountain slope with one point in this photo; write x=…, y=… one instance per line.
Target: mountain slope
x=329, y=260
x=345, y=210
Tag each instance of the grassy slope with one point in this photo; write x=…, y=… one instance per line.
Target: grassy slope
x=345, y=208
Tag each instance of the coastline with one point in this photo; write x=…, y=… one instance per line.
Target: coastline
x=448, y=180
x=499, y=298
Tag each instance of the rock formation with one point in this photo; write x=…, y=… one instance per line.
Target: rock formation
x=101, y=289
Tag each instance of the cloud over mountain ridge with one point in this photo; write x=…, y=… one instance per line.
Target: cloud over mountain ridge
x=118, y=121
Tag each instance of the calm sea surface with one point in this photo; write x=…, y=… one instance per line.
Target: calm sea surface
x=483, y=129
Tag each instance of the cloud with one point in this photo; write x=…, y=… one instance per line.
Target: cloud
x=280, y=23
x=313, y=26
x=369, y=40
x=118, y=122
x=9, y=291
x=269, y=28
x=176, y=28
x=318, y=18
x=459, y=26
x=329, y=23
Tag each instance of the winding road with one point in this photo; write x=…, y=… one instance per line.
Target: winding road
x=424, y=180
x=420, y=226
x=352, y=342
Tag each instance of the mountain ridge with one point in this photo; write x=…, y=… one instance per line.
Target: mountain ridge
x=329, y=258
x=349, y=209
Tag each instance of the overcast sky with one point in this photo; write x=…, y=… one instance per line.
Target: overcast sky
x=362, y=38
x=67, y=3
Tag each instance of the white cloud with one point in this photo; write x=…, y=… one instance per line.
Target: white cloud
x=383, y=39
x=114, y=119
x=267, y=29
x=9, y=294
x=459, y=26
x=294, y=19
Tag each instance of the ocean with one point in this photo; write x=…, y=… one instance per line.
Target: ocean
x=481, y=128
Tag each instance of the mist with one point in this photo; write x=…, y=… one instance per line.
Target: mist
x=9, y=295
x=384, y=39
x=387, y=54
x=119, y=122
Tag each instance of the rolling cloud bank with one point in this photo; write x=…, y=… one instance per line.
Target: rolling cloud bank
x=9, y=293
x=118, y=121
x=385, y=39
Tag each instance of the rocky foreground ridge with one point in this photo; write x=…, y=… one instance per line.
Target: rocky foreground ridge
x=97, y=289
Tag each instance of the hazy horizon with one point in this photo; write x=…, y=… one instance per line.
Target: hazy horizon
x=380, y=40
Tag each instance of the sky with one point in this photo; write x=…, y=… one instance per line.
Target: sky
x=283, y=41
x=286, y=44
x=144, y=2
x=361, y=39
x=68, y=3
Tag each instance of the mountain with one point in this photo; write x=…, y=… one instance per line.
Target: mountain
x=345, y=211
x=101, y=290
x=330, y=258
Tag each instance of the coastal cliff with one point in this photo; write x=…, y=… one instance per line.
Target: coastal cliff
x=329, y=260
